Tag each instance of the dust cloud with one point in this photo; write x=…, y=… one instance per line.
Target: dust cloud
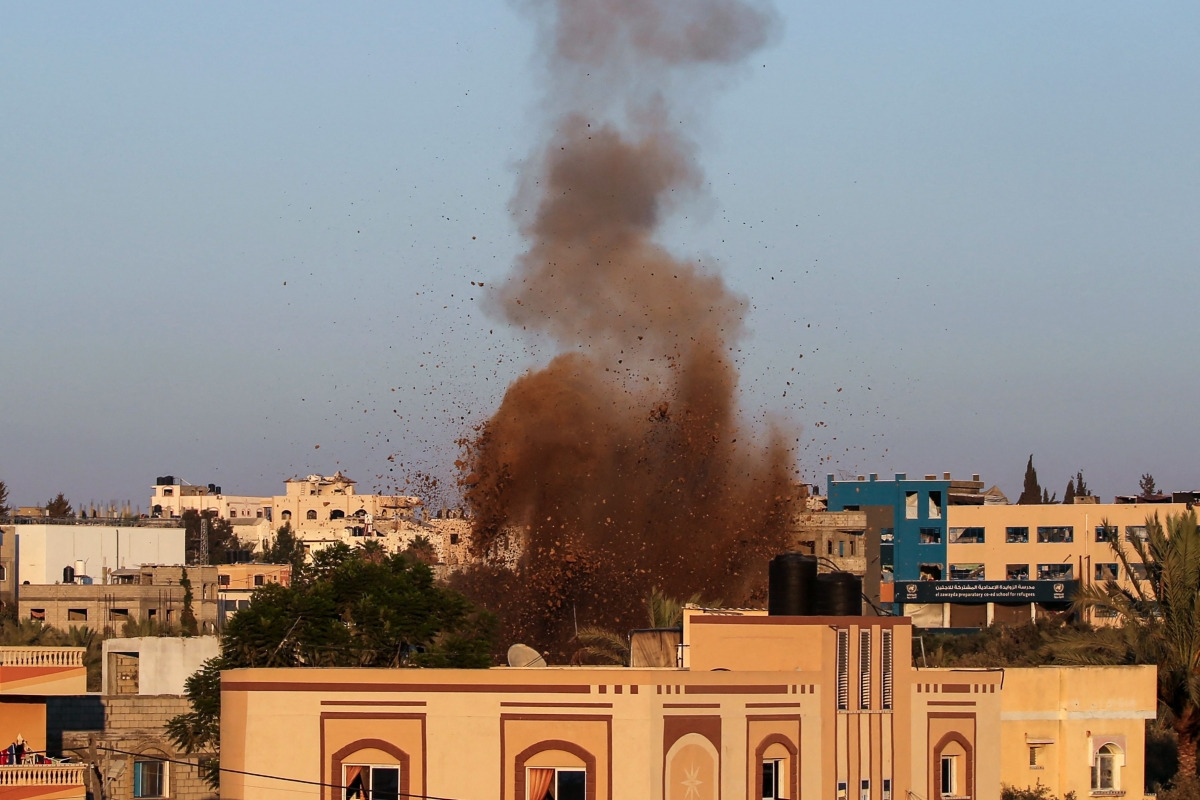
x=622, y=465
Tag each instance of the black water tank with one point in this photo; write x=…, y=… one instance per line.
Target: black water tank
x=792, y=579
x=839, y=594
x=68, y=574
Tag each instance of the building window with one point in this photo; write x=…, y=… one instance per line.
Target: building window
x=1106, y=534
x=1106, y=572
x=118, y=614
x=949, y=781
x=885, y=669
x=966, y=572
x=843, y=670
x=1136, y=533
x=168, y=492
x=310, y=514
x=935, y=505
x=864, y=669
x=966, y=536
x=931, y=535
x=223, y=580
x=1106, y=771
x=865, y=790
x=1138, y=572
x=149, y=778
x=1056, y=572
x=337, y=513
x=1035, y=756
x=454, y=538
x=371, y=782
x=1055, y=534
x=887, y=789
x=285, y=516
x=556, y=783
x=37, y=613
x=931, y=572
x=1016, y=572
x=771, y=779
x=841, y=549
x=1016, y=535
x=258, y=580
x=77, y=615
x=233, y=512
x=910, y=505
x=829, y=547
x=887, y=535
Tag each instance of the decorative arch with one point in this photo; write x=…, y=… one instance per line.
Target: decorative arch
x=337, y=513
x=793, y=752
x=708, y=787
x=341, y=756
x=589, y=763
x=953, y=737
x=311, y=514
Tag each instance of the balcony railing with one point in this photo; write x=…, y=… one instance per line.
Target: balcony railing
x=42, y=775
x=41, y=656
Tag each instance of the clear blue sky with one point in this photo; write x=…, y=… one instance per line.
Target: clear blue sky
x=238, y=241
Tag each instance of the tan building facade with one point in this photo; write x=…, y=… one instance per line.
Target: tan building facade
x=763, y=707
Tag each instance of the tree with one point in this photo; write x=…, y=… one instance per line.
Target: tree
x=422, y=550
x=1038, y=792
x=610, y=647
x=346, y=611
x=1146, y=486
x=187, y=617
x=286, y=549
x=1031, y=494
x=1158, y=622
x=1069, y=494
x=4, y=509
x=1081, y=487
x=59, y=507
x=221, y=538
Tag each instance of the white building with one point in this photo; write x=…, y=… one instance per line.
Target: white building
x=43, y=551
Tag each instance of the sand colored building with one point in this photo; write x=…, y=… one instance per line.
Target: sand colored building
x=29, y=676
x=756, y=707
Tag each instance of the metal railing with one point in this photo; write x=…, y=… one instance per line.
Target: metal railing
x=42, y=775
x=41, y=656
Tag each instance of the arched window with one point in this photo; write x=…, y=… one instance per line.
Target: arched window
x=156, y=511
x=554, y=769
x=1106, y=770
x=285, y=516
x=312, y=514
x=233, y=512
x=362, y=512
x=371, y=769
x=337, y=513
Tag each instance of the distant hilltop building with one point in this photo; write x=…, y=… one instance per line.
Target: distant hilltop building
x=322, y=510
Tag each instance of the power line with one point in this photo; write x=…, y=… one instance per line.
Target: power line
x=232, y=771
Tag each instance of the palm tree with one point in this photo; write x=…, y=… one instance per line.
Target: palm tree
x=1157, y=622
x=609, y=647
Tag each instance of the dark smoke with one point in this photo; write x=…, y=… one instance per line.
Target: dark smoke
x=622, y=465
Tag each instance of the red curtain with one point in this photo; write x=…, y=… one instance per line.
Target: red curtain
x=352, y=772
x=540, y=781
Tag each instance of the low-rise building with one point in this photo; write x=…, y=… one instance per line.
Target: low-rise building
x=48, y=552
x=237, y=582
x=150, y=593
x=760, y=706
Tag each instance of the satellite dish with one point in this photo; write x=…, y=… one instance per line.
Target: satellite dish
x=520, y=655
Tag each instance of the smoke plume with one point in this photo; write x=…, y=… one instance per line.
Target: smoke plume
x=622, y=465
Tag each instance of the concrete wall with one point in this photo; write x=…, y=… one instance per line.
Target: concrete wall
x=43, y=550
x=164, y=662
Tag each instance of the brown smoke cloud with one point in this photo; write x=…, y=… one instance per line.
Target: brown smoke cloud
x=622, y=464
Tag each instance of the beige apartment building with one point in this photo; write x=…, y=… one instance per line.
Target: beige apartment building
x=758, y=706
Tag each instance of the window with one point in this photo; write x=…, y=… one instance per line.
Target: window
x=1016, y=572
x=1136, y=532
x=841, y=549
x=887, y=789
x=843, y=670
x=310, y=514
x=1016, y=535
x=1104, y=534
x=1033, y=755
x=285, y=516
x=887, y=535
x=258, y=580
x=37, y=613
x=966, y=572
x=233, y=512
x=931, y=535
x=223, y=580
x=1106, y=771
x=931, y=572
x=1055, y=534
x=149, y=778
x=935, y=505
x=910, y=505
x=454, y=538
x=770, y=782
x=851, y=547
x=885, y=671
x=337, y=513
x=77, y=615
x=1138, y=572
x=556, y=783
x=966, y=536
x=118, y=614
x=371, y=782
x=829, y=547
x=168, y=492
x=1106, y=572
x=949, y=782
x=1056, y=572
x=864, y=669
x=865, y=790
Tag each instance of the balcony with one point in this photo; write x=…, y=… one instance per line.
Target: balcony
x=48, y=781
x=42, y=671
